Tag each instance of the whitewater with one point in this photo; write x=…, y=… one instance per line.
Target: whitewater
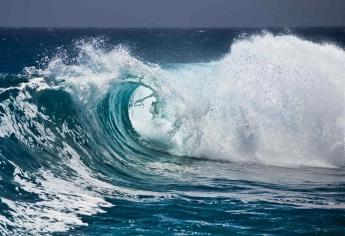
x=101, y=140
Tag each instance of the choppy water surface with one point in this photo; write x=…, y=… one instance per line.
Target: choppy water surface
x=226, y=131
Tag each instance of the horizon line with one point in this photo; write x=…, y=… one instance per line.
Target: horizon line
x=167, y=27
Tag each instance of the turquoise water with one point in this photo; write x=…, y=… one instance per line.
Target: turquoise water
x=172, y=132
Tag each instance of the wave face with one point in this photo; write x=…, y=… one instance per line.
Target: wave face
x=100, y=141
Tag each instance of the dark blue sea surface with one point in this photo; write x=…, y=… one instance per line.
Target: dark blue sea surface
x=172, y=131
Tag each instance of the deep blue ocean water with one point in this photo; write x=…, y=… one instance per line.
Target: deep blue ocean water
x=172, y=131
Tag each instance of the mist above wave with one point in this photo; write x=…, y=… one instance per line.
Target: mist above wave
x=272, y=99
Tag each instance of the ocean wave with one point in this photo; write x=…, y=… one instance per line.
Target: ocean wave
x=104, y=123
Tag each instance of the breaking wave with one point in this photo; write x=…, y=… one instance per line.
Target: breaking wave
x=84, y=127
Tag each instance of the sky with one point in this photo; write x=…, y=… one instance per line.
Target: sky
x=171, y=13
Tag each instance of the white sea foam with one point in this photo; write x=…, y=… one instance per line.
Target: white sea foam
x=64, y=199
x=273, y=99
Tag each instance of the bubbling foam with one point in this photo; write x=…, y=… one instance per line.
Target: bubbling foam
x=273, y=99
